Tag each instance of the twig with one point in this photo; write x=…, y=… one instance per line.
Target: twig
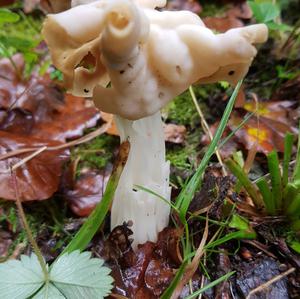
x=78, y=141
x=265, y=285
x=27, y=228
x=205, y=127
x=25, y=160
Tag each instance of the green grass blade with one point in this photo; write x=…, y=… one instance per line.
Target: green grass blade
x=288, y=149
x=241, y=234
x=211, y=285
x=240, y=174
x=231, y=134
x=266, y=193
x=274, y=169
x=93, y=222
x=187, y=193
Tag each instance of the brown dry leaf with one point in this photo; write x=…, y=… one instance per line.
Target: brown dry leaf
x=48, y=6
x=232, y=18
x=38, y=178
x=174, y=133
x=70, y=119
x=87, y=192
x=222, y=24
x=241, y=11
x=273, y=110
x=109, y=118
x=262, y=135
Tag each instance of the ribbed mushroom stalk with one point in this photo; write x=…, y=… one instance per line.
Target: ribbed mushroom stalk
x=149, y=57
x=146, y=166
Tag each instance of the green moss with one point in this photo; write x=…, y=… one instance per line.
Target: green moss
x=96, y=153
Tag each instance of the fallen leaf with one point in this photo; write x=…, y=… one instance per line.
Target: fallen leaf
x=241, y=11
x=222, y=24
x=87, y=192
x=38, y=178
x=174, y=133
x=109, y=118
x=48, y=6
x=266, y=136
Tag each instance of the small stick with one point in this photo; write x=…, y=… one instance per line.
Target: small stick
x=269, y=282
x=80, y=140
x=25, y=160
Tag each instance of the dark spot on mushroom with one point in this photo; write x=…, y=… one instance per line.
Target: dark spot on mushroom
x=178, y=69
x=134, y=190
x=122, y=71
x=129, y=82
x=230, y=73
x=86, y=90
x=130, y=65
x=161, y=95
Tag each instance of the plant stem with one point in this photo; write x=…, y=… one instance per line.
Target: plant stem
x=28, y=230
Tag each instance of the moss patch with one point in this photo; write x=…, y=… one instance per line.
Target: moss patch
x=97, y=153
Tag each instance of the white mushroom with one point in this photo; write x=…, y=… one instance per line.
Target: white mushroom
x=149, y=57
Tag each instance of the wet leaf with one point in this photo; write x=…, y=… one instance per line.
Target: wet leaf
x=38, y=178
x=87, y=192
x=48, y=6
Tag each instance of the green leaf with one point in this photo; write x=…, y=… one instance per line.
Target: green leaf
x=239, y=222
x=6, y=16
x=71, y=276
x=49, y=291
x=295, y=245
x=20, y=279
x=77, y=275
x=264, y=12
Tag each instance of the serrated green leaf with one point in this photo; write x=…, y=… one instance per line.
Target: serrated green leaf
x=79, y=276
x=49, y=291
x=6, y=16
x=20, y=279
x=72, y=276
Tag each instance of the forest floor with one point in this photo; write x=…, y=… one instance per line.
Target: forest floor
x=60, y=188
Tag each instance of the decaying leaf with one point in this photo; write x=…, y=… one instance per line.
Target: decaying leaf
x=86, y=192
x=48, y=6
x=38, y=178
x=232, y=18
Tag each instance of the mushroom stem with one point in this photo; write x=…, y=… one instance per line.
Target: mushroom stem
x=146, y=166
